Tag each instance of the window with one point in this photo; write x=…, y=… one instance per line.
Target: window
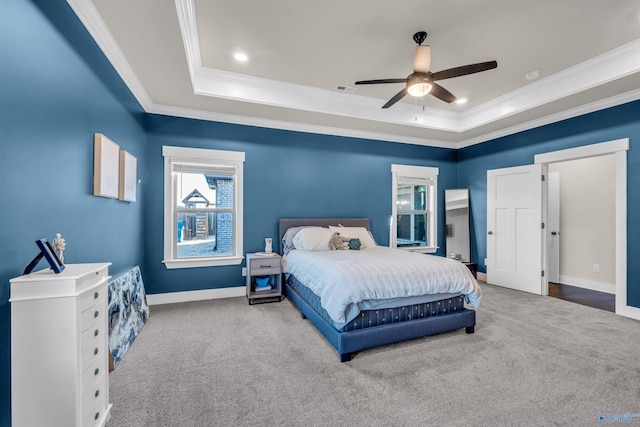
x=203, y=207
x=413, y=219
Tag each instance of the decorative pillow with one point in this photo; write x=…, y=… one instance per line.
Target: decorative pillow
x=366, y=240
x=312, y=239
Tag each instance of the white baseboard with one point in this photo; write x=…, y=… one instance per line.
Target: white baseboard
x=482, y=276
x=609, y=288
x=201, y=295
x=628, y=311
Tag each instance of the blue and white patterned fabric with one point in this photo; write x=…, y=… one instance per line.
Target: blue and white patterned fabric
x=128, y=312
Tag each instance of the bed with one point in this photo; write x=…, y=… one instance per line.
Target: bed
x=359, y=320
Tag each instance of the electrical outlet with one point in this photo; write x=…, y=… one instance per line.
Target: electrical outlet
x=596, y=268
x=244, y=271
x=485, y=261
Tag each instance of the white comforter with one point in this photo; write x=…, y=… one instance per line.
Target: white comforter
x=343, y=278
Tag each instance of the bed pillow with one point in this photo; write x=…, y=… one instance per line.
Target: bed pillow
x=287, y=239
x=361, y=233
x=312, y=239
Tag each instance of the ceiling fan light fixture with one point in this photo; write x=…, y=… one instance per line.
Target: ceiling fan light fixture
x=419, y=89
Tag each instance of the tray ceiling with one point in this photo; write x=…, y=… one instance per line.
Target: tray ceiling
x=177, y=58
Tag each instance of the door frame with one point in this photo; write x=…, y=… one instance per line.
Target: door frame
x=619, y=148
x=553, y=205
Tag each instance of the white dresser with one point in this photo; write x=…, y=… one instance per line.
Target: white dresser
x=59, y=353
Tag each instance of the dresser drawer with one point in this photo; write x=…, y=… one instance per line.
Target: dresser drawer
x=94, y=395
x=94, y=335
x=264, y=267
x=93, y=352
x=94, y=408
x=92, y=296
x=89, y=317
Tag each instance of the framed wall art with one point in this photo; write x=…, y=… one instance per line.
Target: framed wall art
x=128, y=176
x=106, y=170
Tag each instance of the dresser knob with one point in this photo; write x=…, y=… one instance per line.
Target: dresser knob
x=96, y=372
x=96, y=295
x=95, y=351
x=95, y=333
x=97, y=415
x=97, y=393
x=95, y=314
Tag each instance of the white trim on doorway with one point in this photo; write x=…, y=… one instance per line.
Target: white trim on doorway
x=619, y=148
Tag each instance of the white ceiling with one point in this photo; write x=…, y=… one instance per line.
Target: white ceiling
x=176, y=57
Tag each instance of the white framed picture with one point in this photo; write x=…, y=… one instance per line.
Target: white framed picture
x=106, y=166
x=128, y=176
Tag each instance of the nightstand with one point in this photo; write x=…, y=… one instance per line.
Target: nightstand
x=264, y=278
x=473, y=267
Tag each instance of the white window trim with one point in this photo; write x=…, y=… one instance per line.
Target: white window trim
x=204, y=156
x=418, y=172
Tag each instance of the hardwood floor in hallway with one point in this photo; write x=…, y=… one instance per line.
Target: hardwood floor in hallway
x=595, y=299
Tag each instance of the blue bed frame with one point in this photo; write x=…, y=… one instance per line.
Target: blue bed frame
x=349, y=342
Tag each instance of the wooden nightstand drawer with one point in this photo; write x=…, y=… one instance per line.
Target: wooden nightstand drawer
x=264, y=269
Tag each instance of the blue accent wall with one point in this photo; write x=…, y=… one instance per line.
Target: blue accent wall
x=519, y=149
x=286, y=175
x=56, y=90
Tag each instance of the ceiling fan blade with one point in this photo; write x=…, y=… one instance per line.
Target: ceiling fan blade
x=441, y=93
x=422, y=59
x=397, y=97
x=375, y=82
x=464, y=70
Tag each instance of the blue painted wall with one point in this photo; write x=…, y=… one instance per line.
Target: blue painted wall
x=56, y=90
x=519, y=149
x=286, y=174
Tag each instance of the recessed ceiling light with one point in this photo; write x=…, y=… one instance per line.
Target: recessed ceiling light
x=461, y=101
x=532, y=75
x=240, y=57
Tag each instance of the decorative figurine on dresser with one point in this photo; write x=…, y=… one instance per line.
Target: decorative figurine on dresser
x=59, y=244
x=59, y=353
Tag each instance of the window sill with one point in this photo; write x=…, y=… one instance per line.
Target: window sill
x=419, y=249
x=201, y=262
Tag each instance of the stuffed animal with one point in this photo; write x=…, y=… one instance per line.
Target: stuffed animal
x=337, y=242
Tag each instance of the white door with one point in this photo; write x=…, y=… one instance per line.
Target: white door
x=514, y=228
x=553, y=228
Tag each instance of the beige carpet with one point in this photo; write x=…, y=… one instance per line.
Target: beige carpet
x=533, y=360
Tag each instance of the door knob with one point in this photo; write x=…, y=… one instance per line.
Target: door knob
x=490, y=232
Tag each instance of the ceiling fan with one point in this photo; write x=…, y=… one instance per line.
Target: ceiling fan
x=422, y=81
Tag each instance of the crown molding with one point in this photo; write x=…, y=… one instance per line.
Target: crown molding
x=167, y=110
x=241, y=87
x=553, y=118
x=609, y=66
x=604, y=68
